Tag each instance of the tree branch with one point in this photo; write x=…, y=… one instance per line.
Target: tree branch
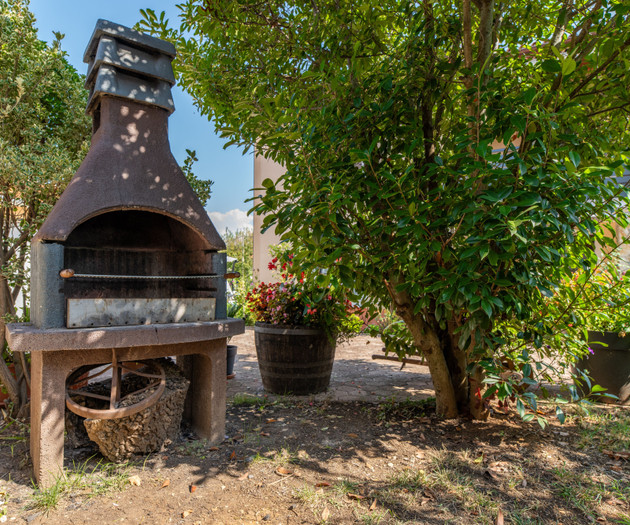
x=561, y=23
x=599, y=69
x=486, y=23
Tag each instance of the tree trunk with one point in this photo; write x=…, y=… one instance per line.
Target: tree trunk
x=468, y=386
x=446, y=398
x=16, y=386
x=457, y=393
x=9, y=382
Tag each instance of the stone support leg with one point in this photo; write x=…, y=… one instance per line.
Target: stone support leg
x=207, y=392
x=47, y=416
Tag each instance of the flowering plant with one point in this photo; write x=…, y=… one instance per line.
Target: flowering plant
x=295, y=301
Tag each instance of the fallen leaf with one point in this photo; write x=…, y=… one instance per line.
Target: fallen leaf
x=428, y=494
x=322, y=484
x=135, y=481
x=499, y=518
x=373, y=506
x=238, y=437
x=497, y=469
x=244, y=476
x=264, y=434
x=354, y=436
x=355, y=496
x=283, y=471
x=271, y=420
x=166, y=483
x=233, y=454
x=193, y=488
x=186, y=513
x=325, y=514
x=616, y=455
x=213, y=449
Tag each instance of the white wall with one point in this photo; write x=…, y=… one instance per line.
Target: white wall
x=264, y=169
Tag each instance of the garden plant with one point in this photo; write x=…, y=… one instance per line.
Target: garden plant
x=297, y=301
x=458, y=160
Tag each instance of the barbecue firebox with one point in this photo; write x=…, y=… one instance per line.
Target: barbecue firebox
x=127, y=266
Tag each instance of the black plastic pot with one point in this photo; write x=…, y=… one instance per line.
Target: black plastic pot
x=609, y=364
x=231, y=359
x=293, y=360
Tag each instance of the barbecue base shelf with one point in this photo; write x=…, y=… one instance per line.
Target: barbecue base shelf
x=199, y=347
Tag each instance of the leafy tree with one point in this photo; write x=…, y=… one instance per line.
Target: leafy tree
x=44, y=134
x=453, y=158
x=203, y=188
x=240, y=245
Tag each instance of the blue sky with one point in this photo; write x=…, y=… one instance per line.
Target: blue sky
x=231, y=172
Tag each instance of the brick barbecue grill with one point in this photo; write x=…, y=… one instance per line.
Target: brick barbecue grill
x=127, y=266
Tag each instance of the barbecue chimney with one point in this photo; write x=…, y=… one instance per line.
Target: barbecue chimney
x=128, y=222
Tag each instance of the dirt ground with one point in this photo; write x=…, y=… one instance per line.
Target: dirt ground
x=297, y=461
x=368, y=451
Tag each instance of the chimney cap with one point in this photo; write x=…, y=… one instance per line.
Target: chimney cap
x=126, y=34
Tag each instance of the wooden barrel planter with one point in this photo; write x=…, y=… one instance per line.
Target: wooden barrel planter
x=293, y=360
x=609, y=364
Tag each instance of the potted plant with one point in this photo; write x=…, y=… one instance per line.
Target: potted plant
x=603, y=308
x=298, y=324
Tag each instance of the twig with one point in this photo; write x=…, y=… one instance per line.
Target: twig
x=281, y=479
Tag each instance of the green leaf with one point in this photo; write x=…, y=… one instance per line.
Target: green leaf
x=551, y=66
x=528, y=200
x=519, y=122
x=268, y=184
x=575, y=158
x=529, y=95
x=568, y=66
x=487, y=307
x=560, y=415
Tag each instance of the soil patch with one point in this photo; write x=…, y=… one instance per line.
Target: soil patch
x=295, y=461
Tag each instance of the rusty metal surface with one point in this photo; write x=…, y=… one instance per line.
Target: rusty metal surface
x=115, y=411
x=68, y=273
x=139, y=173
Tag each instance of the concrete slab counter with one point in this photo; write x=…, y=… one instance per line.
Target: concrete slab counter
x=55, y=353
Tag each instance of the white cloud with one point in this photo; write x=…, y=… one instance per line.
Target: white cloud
x=233, y=220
